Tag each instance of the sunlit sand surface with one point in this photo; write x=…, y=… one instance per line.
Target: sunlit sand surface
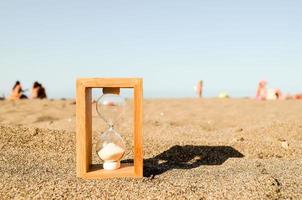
x=193, y=149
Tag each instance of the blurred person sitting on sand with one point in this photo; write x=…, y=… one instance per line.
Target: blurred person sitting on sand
x=199, y=88
x=38, y=91
x=17, y=92
x=261, y=90
x=296, y=96
x=34, y=91
x=272, y=94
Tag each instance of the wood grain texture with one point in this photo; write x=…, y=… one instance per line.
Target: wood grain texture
x=109, y=82
x=126, y=170
x=84, y=127
x=138, y=107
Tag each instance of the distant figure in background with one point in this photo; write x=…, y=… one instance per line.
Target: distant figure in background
x=296, y=96
x=34, y=91
x=223, y=95
x=17, y=92
x=278, y=94
x=274, y=94
x=42, y=93
x=38, y=91
x=268, y=94
x=199, y=88
x=261, y=90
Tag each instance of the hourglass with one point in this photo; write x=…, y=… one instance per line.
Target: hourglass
x=109, y=147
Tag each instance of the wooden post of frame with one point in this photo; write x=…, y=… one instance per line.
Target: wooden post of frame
x=84, y=127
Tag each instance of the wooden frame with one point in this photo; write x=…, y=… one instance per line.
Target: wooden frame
x=84, y=127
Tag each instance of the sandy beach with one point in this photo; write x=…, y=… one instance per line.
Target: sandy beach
x=193, y=149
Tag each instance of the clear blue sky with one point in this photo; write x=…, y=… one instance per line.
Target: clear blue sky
x=170, y=43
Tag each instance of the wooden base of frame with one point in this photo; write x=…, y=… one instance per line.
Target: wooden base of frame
x=96, y=172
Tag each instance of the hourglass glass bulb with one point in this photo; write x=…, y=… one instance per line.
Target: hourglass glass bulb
x=110, y=107
x=110, y=147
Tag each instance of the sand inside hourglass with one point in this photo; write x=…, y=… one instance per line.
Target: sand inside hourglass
x=111, y=152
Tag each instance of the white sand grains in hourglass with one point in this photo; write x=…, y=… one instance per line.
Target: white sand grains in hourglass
x=111, y=152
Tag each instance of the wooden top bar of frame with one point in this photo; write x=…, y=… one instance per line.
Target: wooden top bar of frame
x=108, y=82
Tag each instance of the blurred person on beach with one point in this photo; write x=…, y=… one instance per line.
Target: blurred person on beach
x=38, y=91
x=296, y=96
x=268, y=94
x=34, y=91
x=276, y=94
x=261, y=93
x=273, y=94
x=199, y=88
x=17, y=92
